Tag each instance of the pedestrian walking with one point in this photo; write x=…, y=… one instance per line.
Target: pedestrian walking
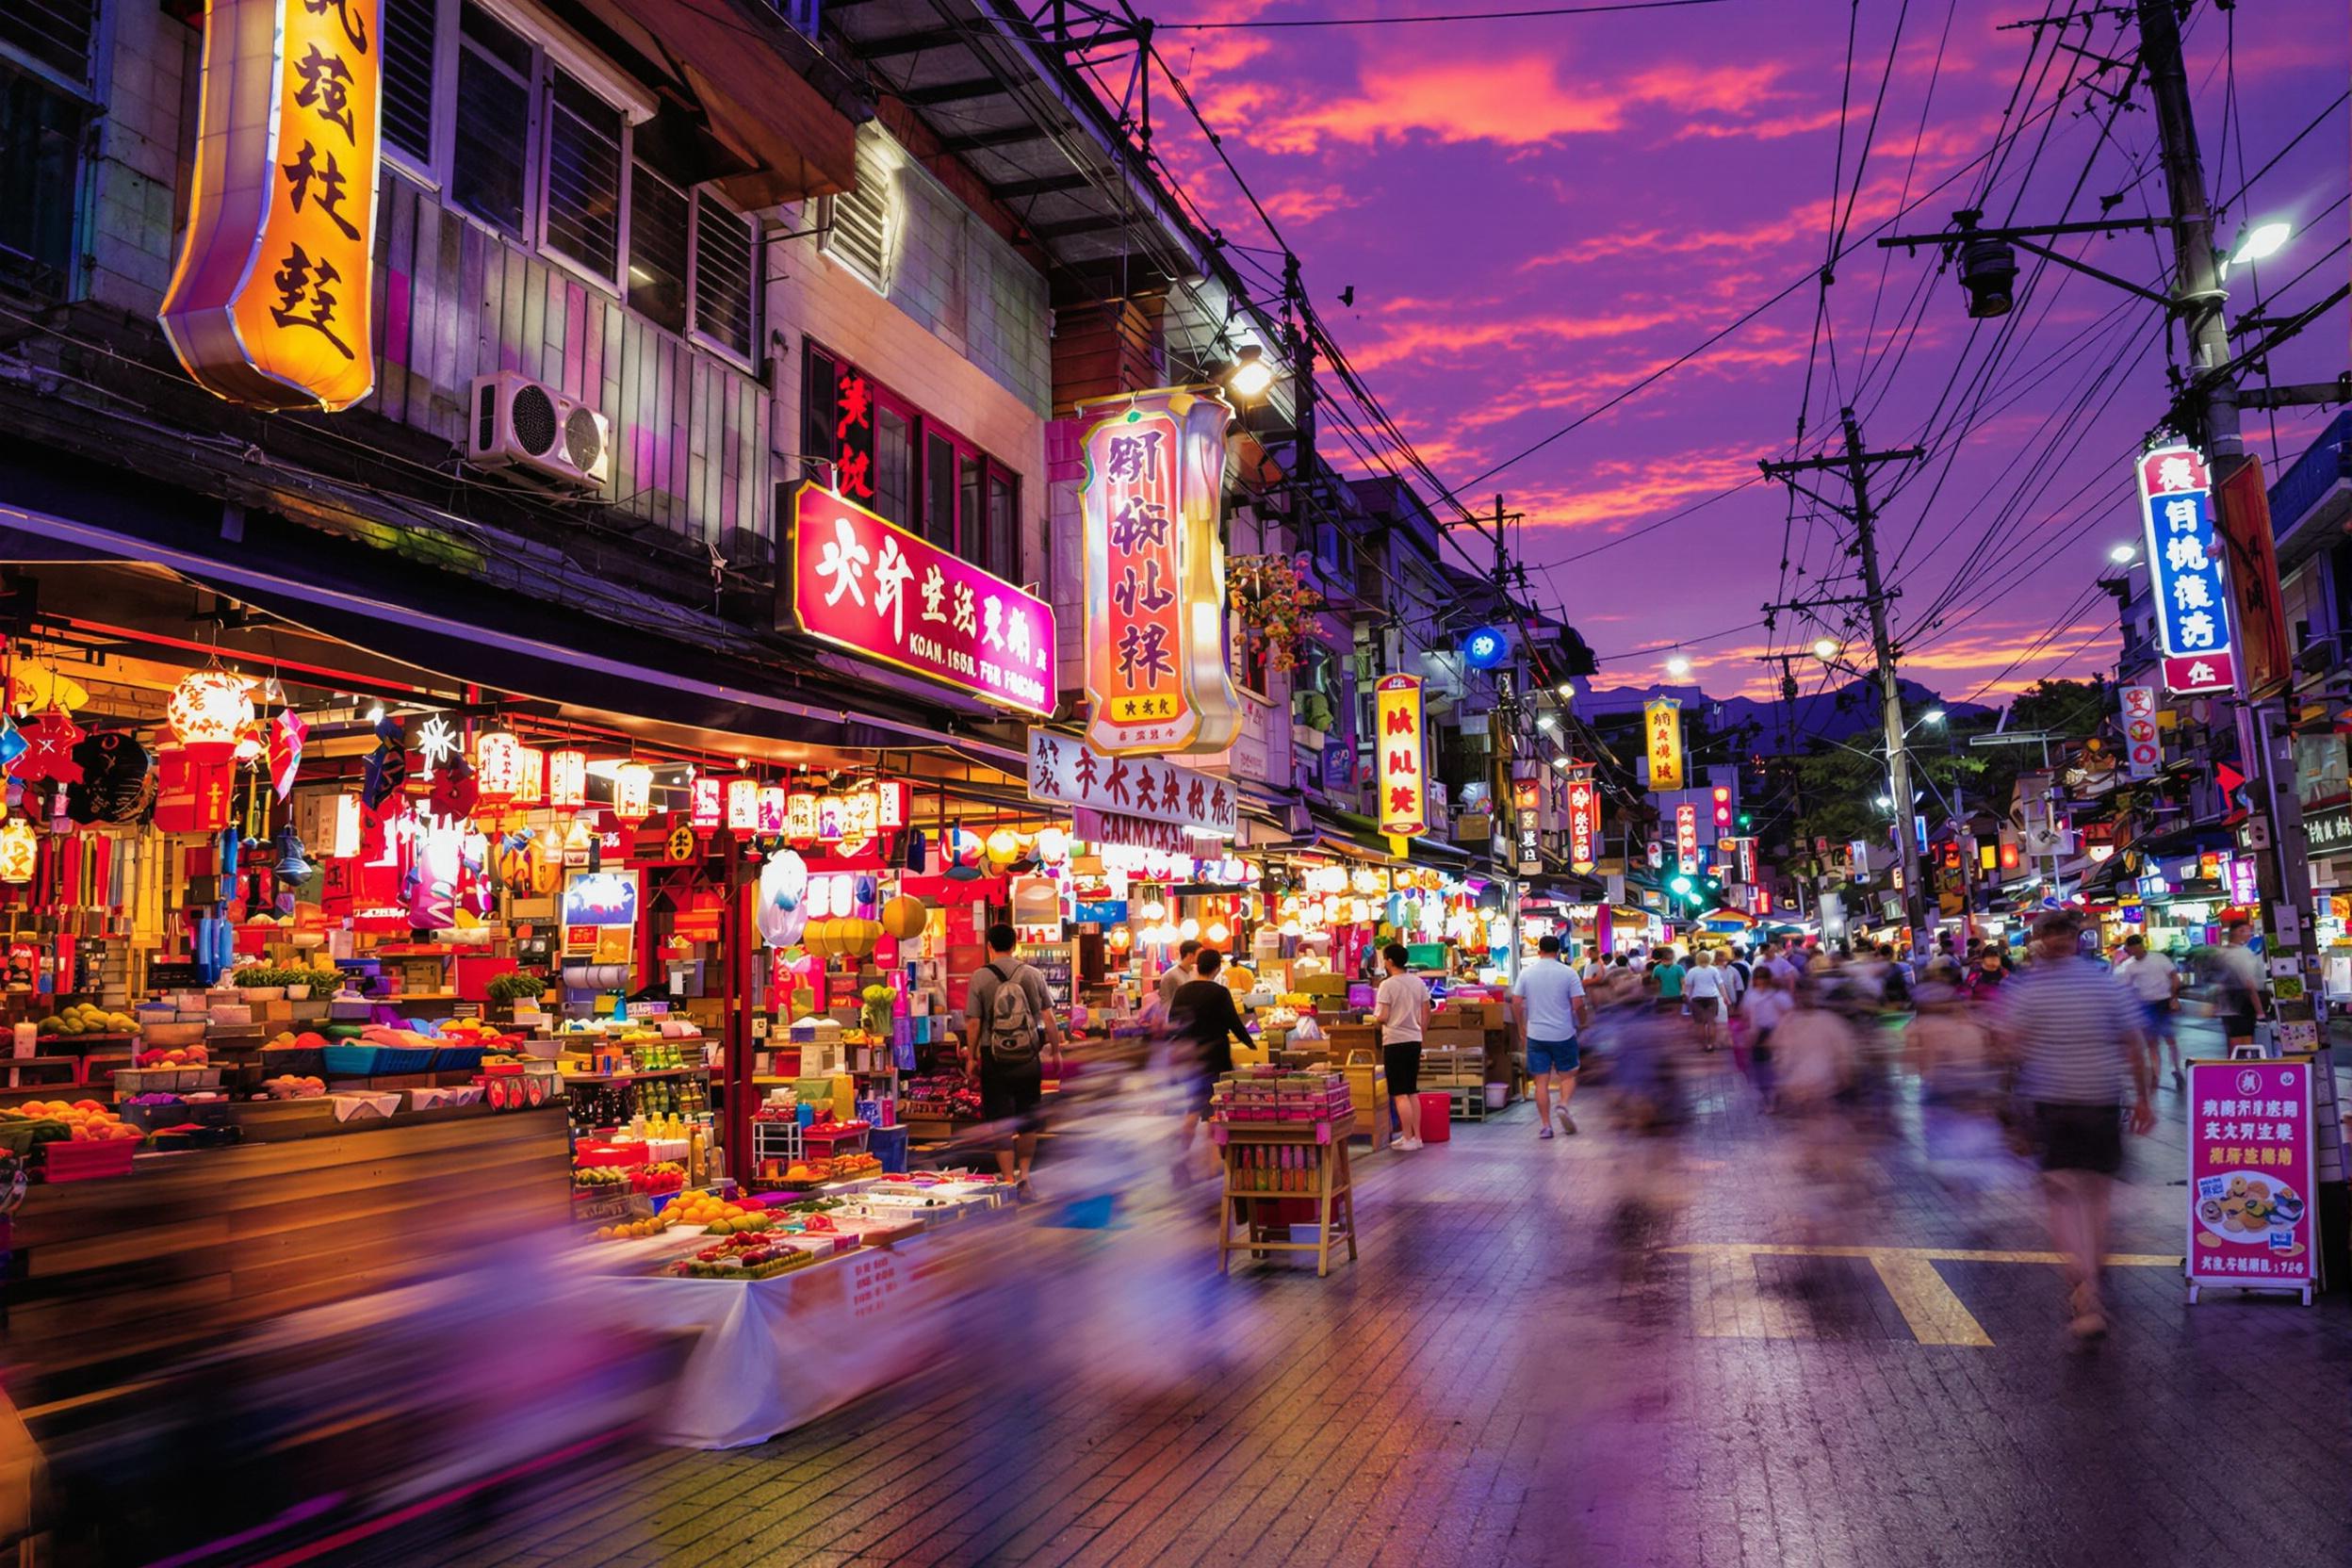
x=2238, y=974
x=1548, y=1008
x=1768, y=1002
x=1204, y=1023
x=1666, y=976
x=2155, y=979
x=1992, y=968
x=1702, y=989
x=1011, y=1038
x=1180, y=975
x=2076, y=1032
x=1402, y=1008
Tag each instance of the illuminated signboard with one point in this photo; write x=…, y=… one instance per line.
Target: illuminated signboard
x=864, y=584
x=2143, y=750
x=1687, y=835
x=1664, y=719
x=1584, y=824
x=2184, y=570
x=1397, y=734
x=1157, y=677
x=269, y=302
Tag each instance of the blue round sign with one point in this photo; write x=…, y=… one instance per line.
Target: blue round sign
x=1485, y=648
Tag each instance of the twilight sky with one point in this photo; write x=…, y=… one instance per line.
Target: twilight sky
x=1537, y=213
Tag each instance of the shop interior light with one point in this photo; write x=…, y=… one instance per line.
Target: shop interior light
x=1189, y=929
x=1290, y=927
x=1053, y=845
x=1154, y=912
x=1216, y=931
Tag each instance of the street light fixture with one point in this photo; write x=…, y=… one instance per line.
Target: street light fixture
x=1825, y=648
x=1250, y=375
x=1885, y=803
x=2123, y=555
x=2262, y=239
x=1934, y=715
x=1678, y=666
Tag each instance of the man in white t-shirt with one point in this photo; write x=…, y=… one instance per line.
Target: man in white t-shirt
x=2156, y=981
x=1402, y=1008
x=1547, y=1006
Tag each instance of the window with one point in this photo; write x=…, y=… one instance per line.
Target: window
x=657, y=248
x=861, y=223
x=41, y=137
x=492, y=141
x=53, y=35
x=408, y=43
x=894, y=466
x=583, y=207
x=1003, y=555
x=884, y=454
x=727, y=276
x=939, y=483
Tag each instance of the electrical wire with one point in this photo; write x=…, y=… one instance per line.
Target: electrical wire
x=1262, y=24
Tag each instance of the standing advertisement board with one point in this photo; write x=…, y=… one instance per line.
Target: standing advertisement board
x=2251, y=1166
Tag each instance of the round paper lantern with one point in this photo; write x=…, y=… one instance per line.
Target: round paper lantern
x=1053, y=846
x=208, y=711
x=1003, y=846
x=497, y=768
x=855, y=939
x=568, y=779
x=632, y=791
x=783, y=899
x=19, y=851
x=904, y=918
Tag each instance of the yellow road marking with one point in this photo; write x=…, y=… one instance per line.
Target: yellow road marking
x=1729, y=1301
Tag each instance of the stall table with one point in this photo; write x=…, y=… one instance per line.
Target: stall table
x=1321, y=1151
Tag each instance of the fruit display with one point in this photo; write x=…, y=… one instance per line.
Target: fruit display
x=86, y=1120
x=700, y=1208
x=287, y=1087
x=286, y=1039
x=841, y=1167
x=629, y=1230
x=83, y=1018
x=742, y=1258
x=193, y=1055
x=660, y=1176
x=607, y=1178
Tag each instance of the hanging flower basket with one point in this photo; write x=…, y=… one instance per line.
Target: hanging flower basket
x=1275, y=606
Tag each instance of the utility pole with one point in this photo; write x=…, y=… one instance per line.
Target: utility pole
x=1503, y=811
x=1297, y=326
x=1856, y=463
x=2211, y=400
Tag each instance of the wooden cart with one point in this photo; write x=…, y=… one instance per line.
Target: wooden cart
x=1314, y=1156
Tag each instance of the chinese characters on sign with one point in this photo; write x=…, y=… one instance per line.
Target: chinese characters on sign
x=2185, y=571
x=1584, y=824
x=1066, y=771
x=268, y=304
x=1396, y=740
x=879, y=590
x=1686, y=837
x=1663, y=721
x=1157, y=679
x=2142, y=750
x=2250, y=1171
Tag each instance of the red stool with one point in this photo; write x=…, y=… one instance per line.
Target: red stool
x=1437, y=1115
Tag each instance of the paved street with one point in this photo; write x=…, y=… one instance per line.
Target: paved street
x=1871, y=1372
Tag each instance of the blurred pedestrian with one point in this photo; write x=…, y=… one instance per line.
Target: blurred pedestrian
x=1666, y=976
x=1012, y=1038
x=1992, y=968
x=2076, y=1032
x=1769, y=1000
x=1402, y=1008
x=1205, y=1025
x=1703, y=990
x=2238, y=971
x=1548, y=1008
x=2155, y=979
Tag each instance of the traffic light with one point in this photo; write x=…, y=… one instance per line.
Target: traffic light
x=1722, y=805
x=1747, y=820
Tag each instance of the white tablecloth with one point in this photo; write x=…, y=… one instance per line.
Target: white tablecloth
x=776, y=1353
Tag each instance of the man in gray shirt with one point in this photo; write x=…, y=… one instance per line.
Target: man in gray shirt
x=1181, y=973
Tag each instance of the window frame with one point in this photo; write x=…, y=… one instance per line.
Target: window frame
x=746, y=361
x=543, y=131
x=440, y=110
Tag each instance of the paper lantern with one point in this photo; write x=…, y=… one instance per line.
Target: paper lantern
x=1053, y=846
x=783, y=911
x=530, y=775
x=854, y=938
x=772, y=809
x=208, y=711
x=743, y=805
x=800, y=817
x=830, y=823
x=892, y=805
x=568, y=779
x=862, y=815
x=19, y=851
x=1003, y=846
x=497, y=768
x=904, y=918
x=709, y=809
x=632, y=791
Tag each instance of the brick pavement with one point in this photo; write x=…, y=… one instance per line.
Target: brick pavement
x=1497, y=1382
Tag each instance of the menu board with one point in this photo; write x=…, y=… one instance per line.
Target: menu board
x=2251, y=1223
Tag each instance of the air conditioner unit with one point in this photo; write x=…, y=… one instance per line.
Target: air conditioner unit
x=530, y=429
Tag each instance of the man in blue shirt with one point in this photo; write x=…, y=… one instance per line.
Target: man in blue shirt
x=1546, y=1007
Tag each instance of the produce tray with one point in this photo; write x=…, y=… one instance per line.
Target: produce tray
x=131, y=1080
x=203, y=1113
x=85, y=1161
x=377, y=1061
x=459, y=1058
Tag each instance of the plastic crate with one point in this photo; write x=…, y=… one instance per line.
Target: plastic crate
x=85, y=1161
x=888, y=1144
x=293, y=1061
x=351, y=1061
x=459, y=1058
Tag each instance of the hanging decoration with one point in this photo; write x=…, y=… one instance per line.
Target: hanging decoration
x=287, y=733
x=632, y=791
x=12, y=743
x=800, y=817
x=772, y=811
x=208, y=711
x=568, y=779
x=783, y=911
x=32, y=686
x=743, y=805
x=1275, y=606
x=113, y=786
x=531, y=781
x=497, y=768
x=49, y=743
x=706, y=802
x=386, y=768
x=456, y=791
x=20, y=851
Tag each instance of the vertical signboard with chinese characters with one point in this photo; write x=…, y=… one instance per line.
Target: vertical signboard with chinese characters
x=1686, y=837
x=2185, y=571
x=1584, y=822
x=861, y=583
x=2142, y=748
x=1397, y=734
x=268, y=304
x=1157, y=677
x=1663, y=721
x=2251, y=1223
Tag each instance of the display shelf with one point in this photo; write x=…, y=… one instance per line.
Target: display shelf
x=632, y=1077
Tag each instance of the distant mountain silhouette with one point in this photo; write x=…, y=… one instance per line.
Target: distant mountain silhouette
x=1839, y=715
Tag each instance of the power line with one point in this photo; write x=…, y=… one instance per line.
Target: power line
x=1411, y=21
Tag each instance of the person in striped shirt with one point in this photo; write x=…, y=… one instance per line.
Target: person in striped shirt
x=2076, y=1033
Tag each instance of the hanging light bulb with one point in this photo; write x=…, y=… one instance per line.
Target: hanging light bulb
x=1154, y=912
x=1053, y=845
x=632, y=791
x=1290, y=926
x=1190, y=929
x=1216, y=931
x=568, y=779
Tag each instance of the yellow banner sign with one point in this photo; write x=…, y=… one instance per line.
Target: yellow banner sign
x=268, y=305
x=1663, y=721
x=1157, y=679
x=1403, y=783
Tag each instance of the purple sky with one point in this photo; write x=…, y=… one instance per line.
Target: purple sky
x=1537, y=213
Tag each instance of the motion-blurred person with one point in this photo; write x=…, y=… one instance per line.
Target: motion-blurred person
x=2156, y=981
x=1702, y=994
x=1205, y=1024
x=1991, y=969
x=1548, y=1008
x=2076, y=1032
x=1952, y=1049
x=1012, y=1038
x=1665, y=976
x=1402, y=1008
x=1814, y=1051
x=1769, y=1000
x=2238, y=974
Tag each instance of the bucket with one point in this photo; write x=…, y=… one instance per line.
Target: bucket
x=1497, y=1096
x=1437, y=1108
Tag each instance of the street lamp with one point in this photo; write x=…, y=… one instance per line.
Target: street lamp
x=1934, y=715
x=1250, y=375
x=2123, y=555
x=1825, y=648
x=2262, y=239
x=1885, y=803
x=1678, y=666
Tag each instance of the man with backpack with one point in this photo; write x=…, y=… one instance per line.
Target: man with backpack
x=1010, y=1033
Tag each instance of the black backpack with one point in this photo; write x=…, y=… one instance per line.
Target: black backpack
x=1011, y=1026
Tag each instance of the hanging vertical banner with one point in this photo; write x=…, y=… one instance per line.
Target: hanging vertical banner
x=1664, y=719
x=1584, y=824
x=1686, y=837
x=2252, y=1223
x=2142, y=749
x=1396, y=720
x=1158, y=680
x=2242, y=518
x=268, y=304
x=2185, y=571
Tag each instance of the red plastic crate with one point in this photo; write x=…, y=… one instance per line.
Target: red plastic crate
x=85, y=1161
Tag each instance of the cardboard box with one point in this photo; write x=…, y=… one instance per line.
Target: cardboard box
x=1455, y=1035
